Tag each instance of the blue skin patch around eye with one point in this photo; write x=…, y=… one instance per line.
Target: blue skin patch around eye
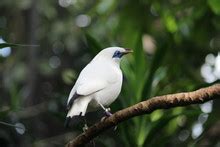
x=117, y=54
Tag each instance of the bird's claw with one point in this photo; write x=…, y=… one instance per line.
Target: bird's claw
x=103, y=118
x=107, y=113
x=85, y=128
x=115, y=128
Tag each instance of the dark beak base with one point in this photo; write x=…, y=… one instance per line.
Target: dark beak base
x=127, y=51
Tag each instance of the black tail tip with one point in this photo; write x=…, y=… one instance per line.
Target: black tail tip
x=67, y=121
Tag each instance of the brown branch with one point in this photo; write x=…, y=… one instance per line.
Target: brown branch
x=146, y=107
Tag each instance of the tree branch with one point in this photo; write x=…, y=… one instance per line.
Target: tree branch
x=146, y=107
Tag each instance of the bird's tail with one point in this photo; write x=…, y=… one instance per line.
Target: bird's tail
x=78, y=108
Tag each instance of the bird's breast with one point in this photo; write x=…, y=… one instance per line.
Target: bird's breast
x=113, y=76
x=109, y=95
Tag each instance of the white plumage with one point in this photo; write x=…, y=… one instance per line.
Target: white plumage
x=98, y=84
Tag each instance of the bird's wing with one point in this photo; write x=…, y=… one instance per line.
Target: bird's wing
x=91, y=87
x=94, y=77
x=72, y=98
x=85, y=89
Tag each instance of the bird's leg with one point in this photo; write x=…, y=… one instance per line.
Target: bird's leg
x=107, y=110
x=107, y=113
x=85, y=128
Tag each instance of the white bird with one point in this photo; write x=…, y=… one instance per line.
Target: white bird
x=98, y=84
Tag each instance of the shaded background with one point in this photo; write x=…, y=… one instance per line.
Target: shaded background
x=175, y=43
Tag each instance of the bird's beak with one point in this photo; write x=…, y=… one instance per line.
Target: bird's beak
x=127, y=51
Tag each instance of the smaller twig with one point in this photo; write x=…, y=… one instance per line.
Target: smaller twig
x=10, y=125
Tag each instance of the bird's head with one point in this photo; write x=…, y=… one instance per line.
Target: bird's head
x=114, y=53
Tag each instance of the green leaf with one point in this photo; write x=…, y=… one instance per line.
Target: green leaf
x=157, y=60
x=170, y=22
x=68, y=76
x=215, y=6
x=3, y=45
x=15, y=98
x=4, y=113
x=93, y=44
x=140, y=67
x=162, y=123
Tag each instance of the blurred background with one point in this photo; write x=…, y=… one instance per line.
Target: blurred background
x=176, y=47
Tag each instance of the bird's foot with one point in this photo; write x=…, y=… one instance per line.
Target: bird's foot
x=107, y=112
x=103, y=118
x=85, y=128
x=115, y=128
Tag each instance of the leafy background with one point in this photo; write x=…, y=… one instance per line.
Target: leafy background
x=45, y=44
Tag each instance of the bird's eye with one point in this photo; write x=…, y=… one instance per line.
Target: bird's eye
x=117, y=54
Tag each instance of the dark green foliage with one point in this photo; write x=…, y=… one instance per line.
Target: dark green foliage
x=170, y=40
x=3, y=45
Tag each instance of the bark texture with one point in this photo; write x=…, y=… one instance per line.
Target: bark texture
x=146, y=107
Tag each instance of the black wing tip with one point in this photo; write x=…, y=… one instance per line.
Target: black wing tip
x=67, y=121
x=73, y=98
